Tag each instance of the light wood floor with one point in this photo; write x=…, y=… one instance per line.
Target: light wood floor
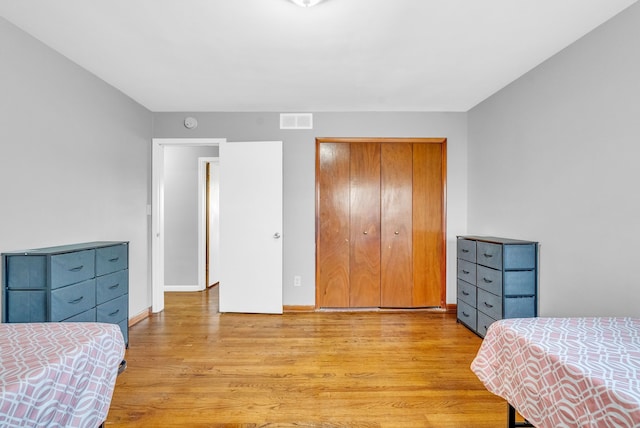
x=190, y=366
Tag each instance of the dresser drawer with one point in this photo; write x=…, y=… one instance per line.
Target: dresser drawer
x=467, y=271
x=112, y=285
x=70, y=268
x=520, y=256
x=467, y=293
x=490, y=304
x=467, y=250
x=520, y=283
x=489, y=255
x=26, y=306
x=489, y=279
x=111, y=259
x=467, y=314
x=113, y=311
x=520, y=307
x=72, y=299
x=484, y=321
x=86, y=316
x=26, y=272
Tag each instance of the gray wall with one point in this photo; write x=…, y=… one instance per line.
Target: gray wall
x=181, y=213
x=554, y=157
x=299, y=172
x=74, y=157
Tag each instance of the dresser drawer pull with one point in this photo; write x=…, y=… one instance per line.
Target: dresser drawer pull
x=114, y=312
x=465, y=250
x=487, y=255
x=466, y=293
x=115, y=259
x=114, y=286
x=488, y=281
x=465, y=314
x=488, y=305
x=76, y=269
x=78, y=300
x=466, y=272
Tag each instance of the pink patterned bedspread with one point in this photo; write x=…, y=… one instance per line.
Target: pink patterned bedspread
x=58, y=374
x=565, y=372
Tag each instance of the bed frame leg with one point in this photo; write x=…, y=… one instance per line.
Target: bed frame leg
x=511, y=419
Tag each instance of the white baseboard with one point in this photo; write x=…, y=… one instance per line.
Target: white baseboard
x=182, y=288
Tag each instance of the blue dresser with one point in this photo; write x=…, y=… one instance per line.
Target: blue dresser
x=497, y=278
x=86, y=282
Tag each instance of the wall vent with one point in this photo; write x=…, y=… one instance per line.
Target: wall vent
x=296, y=121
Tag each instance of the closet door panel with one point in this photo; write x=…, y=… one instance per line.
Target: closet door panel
x=365, y=225
x=428, y=224
x=333, y=230
x=396, y=275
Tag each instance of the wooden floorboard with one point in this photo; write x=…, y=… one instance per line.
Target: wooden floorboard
x=190, y=366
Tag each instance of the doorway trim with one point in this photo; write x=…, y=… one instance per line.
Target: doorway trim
x=157, y=216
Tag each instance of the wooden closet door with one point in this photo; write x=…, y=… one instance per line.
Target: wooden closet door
x=428, y=225
x=364, y=290
x=333, y=228
x=396, y=275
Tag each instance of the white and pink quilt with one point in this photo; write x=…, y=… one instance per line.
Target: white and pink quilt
x=58, y=374
x=565, y=372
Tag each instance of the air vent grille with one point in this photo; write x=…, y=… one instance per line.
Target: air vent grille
x=296, y=121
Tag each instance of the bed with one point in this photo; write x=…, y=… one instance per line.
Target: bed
x=58, y=374
x=565, y=372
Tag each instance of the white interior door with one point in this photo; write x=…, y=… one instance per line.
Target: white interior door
x=251, y=227
x=214, y=222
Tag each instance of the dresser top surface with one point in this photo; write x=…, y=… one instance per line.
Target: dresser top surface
x=496, y=240
x=66, y=248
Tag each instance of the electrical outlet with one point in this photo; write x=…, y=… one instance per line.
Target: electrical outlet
x=297, y=281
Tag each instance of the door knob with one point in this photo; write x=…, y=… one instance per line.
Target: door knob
x=365, y=232
x=276, y=235
x=397, y=233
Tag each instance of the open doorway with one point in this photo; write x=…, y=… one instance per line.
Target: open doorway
x=161, y=148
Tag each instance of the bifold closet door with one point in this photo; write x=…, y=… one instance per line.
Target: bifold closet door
x=381, y=238
x=364, y=266
x=396, y=242
x=428, y=224
x=333, y=225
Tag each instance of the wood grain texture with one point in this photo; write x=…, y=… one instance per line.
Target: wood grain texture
x=190, y=366
x=332, y=255
x=364, y=259
x=428, y=225
x=396, y=274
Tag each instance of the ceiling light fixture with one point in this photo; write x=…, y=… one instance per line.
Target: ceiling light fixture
x=306, y=3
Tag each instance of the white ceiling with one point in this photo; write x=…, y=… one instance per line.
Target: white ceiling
x=342, y=55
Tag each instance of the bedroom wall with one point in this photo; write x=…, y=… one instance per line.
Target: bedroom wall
x=74, y=157
x=554, y=156
x=299, y=172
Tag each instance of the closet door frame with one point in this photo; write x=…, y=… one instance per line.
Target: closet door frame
x=443, y=143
